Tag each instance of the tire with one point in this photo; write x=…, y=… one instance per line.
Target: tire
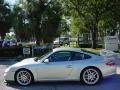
x=23, y=77
x=90, y=76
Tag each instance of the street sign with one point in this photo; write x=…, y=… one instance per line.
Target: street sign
x=26, y=51
x=111, y=43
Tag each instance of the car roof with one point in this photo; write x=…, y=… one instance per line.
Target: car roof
x=67, y=49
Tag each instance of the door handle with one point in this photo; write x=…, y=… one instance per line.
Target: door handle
x=69, y=66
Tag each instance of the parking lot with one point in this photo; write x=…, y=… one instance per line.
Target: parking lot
x=108, y=83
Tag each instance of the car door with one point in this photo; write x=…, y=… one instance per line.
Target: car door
x=58, y=68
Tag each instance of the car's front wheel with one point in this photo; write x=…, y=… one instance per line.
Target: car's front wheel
x=90, y=76
x=23, y=77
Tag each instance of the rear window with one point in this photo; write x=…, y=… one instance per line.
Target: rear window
x=79, y=56
x=87, y=56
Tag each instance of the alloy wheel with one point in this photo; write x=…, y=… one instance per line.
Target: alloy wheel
x=91, y=76
x=23, y=77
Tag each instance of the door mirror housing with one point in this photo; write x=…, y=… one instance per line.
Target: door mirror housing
x=46, y=61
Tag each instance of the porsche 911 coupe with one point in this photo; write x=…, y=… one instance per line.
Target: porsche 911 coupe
x=61, y=64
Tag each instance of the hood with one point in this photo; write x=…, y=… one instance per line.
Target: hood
x=27, y=61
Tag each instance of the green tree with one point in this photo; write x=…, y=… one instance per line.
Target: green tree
x=37, y=18
x=21, y=24
x=51, y=20
x=35, y=10
x=5, y=18
x=17, y=22
x=92, y=12
x=44, y=17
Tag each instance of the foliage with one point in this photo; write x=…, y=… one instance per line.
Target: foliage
x=11, y=51
x=45, y=20
x=42, y=17
x=5, y=18
x=64, y=26
x=9, y=37
x=95, y=14
x=51, y=19
x=77, y=26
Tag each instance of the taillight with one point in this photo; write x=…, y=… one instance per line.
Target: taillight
x=110, y=63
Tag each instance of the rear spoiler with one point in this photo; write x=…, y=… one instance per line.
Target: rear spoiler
x=90, y=52
x=108, y=53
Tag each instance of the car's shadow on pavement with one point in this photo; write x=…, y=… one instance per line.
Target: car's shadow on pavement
x=108, y=83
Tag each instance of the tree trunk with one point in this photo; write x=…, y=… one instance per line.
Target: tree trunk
x=38, y=36
x=94, y=37
x=2, y=36
x=37, y=41
x=38, y=32
x=78, y=44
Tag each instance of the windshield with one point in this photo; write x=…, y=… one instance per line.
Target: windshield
x=41, y=57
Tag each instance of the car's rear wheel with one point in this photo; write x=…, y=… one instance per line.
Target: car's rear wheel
x=23, y=77
x=90, y=76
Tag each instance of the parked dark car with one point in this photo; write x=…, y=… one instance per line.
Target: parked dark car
x=1, y=43
x=8, y=43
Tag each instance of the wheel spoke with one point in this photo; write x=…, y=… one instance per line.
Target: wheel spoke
x=88, y=71
x=23, y=77
x=90, y=76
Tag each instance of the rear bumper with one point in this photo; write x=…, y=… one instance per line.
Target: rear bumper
x=106, y=71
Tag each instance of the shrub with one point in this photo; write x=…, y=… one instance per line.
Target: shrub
x=18, y=51
x=10, y=51
x=89, y=45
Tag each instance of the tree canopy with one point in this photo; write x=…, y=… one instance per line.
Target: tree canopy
x=37, y=19
x=5, y=18
x=92, y=13
x=45, y=20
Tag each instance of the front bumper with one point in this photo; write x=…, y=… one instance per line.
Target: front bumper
x=9, y=76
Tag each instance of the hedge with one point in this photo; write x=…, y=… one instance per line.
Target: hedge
x=10, y=51
x=89, y=46
x=18, y=51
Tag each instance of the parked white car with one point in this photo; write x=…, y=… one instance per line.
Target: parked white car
x=56, y=41
x=61, y=64
x=61, y=41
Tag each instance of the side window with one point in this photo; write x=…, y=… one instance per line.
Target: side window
x=79, y=56
x=87, y=56
x=60, y=56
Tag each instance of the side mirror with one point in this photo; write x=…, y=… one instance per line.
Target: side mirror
x=46, y=61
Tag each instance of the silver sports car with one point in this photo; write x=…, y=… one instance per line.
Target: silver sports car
x=61, y=64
